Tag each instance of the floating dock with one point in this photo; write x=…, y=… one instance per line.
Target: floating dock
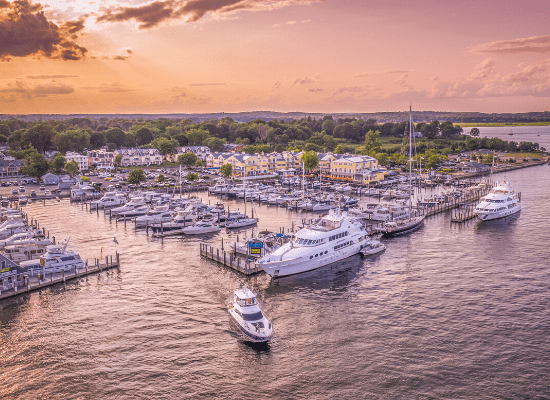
x=36, y=279
x=229, y=259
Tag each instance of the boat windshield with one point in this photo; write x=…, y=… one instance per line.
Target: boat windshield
x=253, y=317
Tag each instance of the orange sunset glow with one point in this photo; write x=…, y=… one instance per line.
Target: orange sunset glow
x=172, y=56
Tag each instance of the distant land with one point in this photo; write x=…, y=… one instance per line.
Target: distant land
x=381, y=117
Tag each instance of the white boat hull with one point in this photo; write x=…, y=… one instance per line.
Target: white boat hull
x=488, y=216
x=304, y=264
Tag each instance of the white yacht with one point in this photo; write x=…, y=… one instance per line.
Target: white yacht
x=250, y=319
x=110, y=199
x=21, y=237
x=56, y=258
x=160, y=214
x=29, y=249
x=334, y=237
x=134, y=202
x=241, y=222
x=202, y=227
x=501, y=201
x=136, y=212
x=14, y=224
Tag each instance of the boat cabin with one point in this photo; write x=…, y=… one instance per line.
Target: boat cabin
x=245, y=298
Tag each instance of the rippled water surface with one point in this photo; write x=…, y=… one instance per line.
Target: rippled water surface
x=450, y=311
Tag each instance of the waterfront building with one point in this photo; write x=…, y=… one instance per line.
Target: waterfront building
x=134, y=156
x=80, y=159
x=202, y=152
x=101, y=159
x=10, y=168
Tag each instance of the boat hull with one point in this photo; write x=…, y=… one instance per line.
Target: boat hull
x=497, y=215
x=303, y=264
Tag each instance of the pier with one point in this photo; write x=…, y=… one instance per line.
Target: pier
x=36, y=279
x=229, y=259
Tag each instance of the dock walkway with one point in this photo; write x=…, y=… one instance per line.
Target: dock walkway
x=35, y=279
x=228, y=259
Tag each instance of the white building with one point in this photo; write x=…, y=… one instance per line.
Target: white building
x=80, y=159
x=102, y=159
x=200, y=151
x=135, y=156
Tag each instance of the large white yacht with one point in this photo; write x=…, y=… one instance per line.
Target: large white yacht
x=501, y=201
x=333, y=237
x=56, y=258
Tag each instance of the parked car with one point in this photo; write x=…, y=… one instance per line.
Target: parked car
x=21, y=188
x=47, y=193
x=14, y=191
x=33, y=193
x=42, y=187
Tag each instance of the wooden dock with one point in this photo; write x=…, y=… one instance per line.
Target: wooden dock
x=228, y=259
x=37, y=279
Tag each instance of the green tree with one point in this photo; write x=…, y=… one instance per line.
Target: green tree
x=164, y=145
x=97, y=140
x=198, y=163
x=371, y=141
x=143, y=136
x=136, y=176
x=187, y=158
x=118, y=160
x=161, y=178
x=71, y=140
x=226, y=170
x=474, y=132
x=36, y=164
x=71, y=168
x=57, y=163
x=328, y=126
x=310, y=160
x=197, y=137
x=339, y=149
x=192, y=176
x=115, y=136
x=215, y=144
x=38, y=136
x=5, y=130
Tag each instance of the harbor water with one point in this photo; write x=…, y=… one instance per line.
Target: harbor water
x=451, y=311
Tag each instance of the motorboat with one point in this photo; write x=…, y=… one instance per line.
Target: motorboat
x=134, y=213
x=373, y=247
x=109, y=199
x=14, y=224
x=241, y=222
x=333, y=237
x=160, y=214
x=246, y=313
x=21, y=237
x=500, y=202
x=201, y=227
x=29, y=249
x=402, y=226
x=56, y=258
x=320, y=207
x=129, y=206
x=181, y=220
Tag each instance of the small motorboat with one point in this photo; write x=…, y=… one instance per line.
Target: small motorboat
x=373, y=247
x=201, y=227
x=241, y=222
x=246, y=313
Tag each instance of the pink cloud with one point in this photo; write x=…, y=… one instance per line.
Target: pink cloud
x=533, y=44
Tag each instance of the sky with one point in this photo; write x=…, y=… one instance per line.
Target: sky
x=326, y=56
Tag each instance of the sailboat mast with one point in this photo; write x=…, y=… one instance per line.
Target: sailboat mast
x=410, y=159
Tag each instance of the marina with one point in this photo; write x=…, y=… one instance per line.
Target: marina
x=183, y=279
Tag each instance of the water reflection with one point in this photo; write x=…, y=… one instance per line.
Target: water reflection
x=336, y=276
